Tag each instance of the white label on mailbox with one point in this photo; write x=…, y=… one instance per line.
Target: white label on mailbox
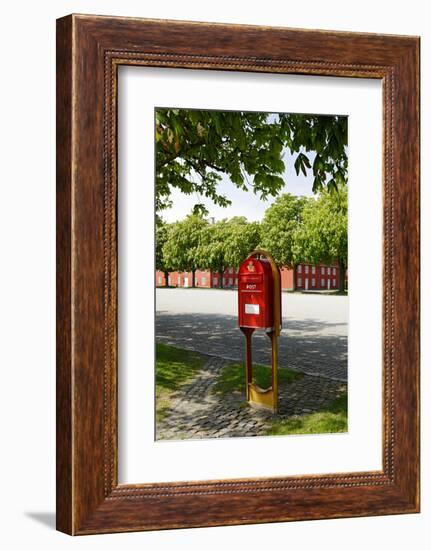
x=252, y=308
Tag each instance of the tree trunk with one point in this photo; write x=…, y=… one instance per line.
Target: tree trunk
x=294, y=277
x=166, y=274
x=342, y=285
x=221, y=273
x=193, y=278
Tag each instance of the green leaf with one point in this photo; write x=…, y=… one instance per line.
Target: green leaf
x=306, y=161
x=298, y=164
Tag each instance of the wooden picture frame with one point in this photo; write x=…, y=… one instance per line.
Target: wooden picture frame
x=89, y=51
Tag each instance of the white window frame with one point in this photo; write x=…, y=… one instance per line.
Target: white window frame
x=299, y=281
x=299, y=268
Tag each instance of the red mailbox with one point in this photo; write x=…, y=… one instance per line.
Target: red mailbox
x=256, y=294
x=259, y=307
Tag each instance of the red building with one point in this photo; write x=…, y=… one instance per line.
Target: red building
x=308, y=278
x=203, y=279
x=317, y=277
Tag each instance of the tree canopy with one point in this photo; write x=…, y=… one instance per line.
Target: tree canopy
x=212, y=248
x=162, y=231
x=244, y=237
x=279, y=228
x=322, y=236
x=194, y=148
x=327, y=137
x=227, y=243
x=180, y=250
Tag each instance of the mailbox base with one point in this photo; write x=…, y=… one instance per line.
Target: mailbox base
x=261, y=398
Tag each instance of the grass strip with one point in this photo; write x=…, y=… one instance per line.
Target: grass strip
x=174, y=368
x=232, y=377
x=331, y=420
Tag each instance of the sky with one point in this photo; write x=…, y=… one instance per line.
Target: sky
x=244, y=203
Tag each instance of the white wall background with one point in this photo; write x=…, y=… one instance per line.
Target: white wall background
x=27, y=279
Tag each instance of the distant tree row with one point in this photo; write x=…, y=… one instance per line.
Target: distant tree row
x=294, y=230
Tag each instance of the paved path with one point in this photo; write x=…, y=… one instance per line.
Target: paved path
x=314, y=337
x=197, y=412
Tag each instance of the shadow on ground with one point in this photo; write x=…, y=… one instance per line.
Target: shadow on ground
x=197, y=411
x=309, y=345
x=45, y=518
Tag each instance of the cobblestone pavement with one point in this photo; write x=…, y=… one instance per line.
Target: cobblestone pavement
x=197, y=412
x=313, y=340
